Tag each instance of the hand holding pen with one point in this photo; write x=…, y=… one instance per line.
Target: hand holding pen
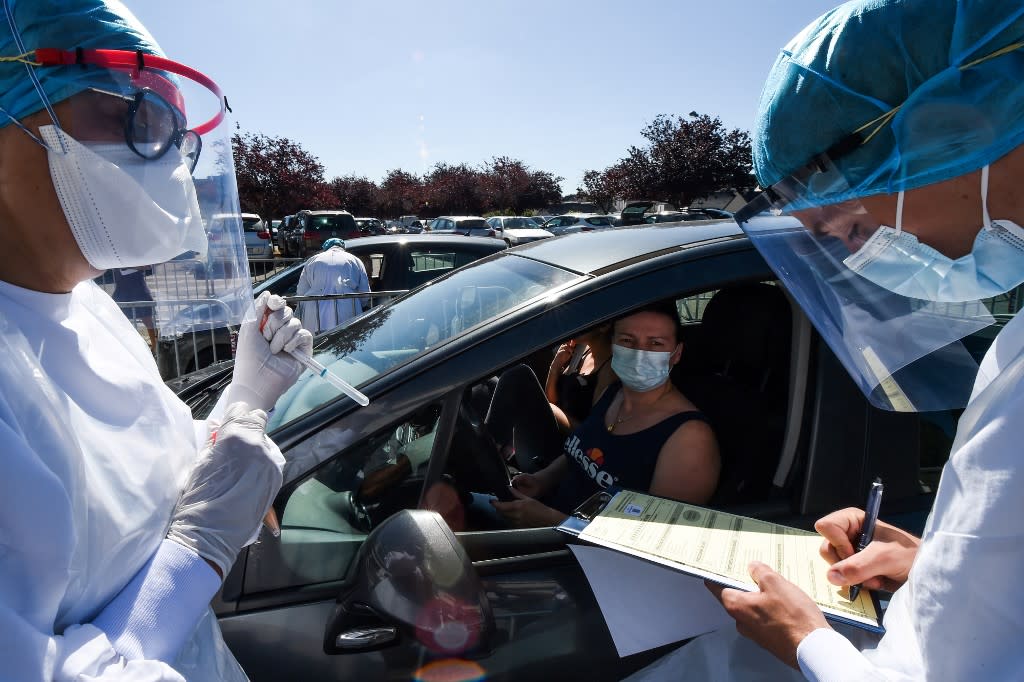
x=867, y=533
x=883, y=564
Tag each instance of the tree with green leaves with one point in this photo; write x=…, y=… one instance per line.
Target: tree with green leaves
x=685, y=158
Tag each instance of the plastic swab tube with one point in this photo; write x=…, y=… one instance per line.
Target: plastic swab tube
x=330, y=377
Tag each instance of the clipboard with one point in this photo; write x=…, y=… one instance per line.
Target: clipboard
x=717, y=546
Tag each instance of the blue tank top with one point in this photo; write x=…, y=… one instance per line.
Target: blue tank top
x=599, y=460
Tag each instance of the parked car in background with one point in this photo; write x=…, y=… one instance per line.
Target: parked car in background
x=223, y=250
x=713, y=212
x=796, y=436
x=416, y=226
x=275, y=229
x=468, y=225
x=634, y=212
x=688, y=215
x=540, y=219
x=577, y=222
x=313, y=228
x=517, y=230
x=393, y=263
x=257, y=237
x=394, y=227
x=408, y=220
x=370, y=226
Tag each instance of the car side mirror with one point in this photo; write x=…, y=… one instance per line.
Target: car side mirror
x=412, y=578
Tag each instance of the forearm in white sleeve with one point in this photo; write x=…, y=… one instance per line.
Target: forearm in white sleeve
x=827, y=656
x=83, y=652
x=153, y=615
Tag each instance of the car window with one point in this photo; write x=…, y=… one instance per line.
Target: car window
x=252, y=224
x=352, y=491
x=426, y=265
x=472, y=224
x=520, y=223
x=393, y=334
x=691, y=308
x=330, y=222
x=600, y=220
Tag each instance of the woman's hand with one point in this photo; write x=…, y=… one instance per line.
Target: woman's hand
x=558, y=364
x=563, y=355
x=884, y=564
x=530, y=485
x=526, y=512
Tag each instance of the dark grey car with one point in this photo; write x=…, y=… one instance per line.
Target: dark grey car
x=797, y=438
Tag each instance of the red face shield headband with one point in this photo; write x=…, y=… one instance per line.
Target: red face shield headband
x=142, y=69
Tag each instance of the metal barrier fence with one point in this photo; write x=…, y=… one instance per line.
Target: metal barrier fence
x=181, y=349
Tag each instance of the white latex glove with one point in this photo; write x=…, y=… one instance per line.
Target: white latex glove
x=230, y=489
x=264, y=370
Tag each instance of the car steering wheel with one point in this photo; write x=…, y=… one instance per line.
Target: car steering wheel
x=485, y=460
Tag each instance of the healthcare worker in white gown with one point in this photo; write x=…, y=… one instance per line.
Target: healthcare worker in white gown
x=119, y=515
x=893, y=131
x=332, y=271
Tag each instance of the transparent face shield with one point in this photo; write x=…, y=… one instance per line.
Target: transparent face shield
x=142, y=163
x=904, y=352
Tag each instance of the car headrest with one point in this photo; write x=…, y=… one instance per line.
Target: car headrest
x=745, y=331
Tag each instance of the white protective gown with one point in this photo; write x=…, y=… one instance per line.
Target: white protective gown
x=95, y=451
x=334, y=271
x=960, y=616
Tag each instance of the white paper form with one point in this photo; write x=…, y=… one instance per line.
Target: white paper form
x=646, y=605
x=719, y=546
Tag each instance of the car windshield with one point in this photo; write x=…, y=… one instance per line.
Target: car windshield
x=599, y=220
x=251, y=224
x=514, y=223
x=472, y=223
x=393, y=334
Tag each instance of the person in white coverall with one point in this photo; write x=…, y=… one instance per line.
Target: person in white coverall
x=893, y=131
x=119, y=515
x=332, y=271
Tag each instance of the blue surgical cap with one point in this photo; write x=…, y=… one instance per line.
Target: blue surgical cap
x=867, y=57
x=332, y=242
x=62, y=24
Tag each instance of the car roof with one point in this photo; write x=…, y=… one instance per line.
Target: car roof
x=324, y=212
x=604, y=250
x=460, y=217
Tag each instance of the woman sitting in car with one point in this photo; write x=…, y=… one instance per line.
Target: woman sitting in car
x=642, y=434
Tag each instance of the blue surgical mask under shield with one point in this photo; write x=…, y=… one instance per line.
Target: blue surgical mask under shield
x=641, y=370
x=897, y=261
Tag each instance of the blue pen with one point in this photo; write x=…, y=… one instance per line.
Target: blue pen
x=867, y=532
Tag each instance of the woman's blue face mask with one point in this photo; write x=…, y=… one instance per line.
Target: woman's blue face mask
x=641, y=370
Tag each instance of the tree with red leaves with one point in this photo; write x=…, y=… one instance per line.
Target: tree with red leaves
x=276, y=176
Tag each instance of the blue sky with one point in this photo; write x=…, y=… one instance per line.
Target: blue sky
x=564, y=86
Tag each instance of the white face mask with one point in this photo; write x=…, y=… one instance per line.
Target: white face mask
x=641, y=370
x=897, y=261
x=123, y=210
